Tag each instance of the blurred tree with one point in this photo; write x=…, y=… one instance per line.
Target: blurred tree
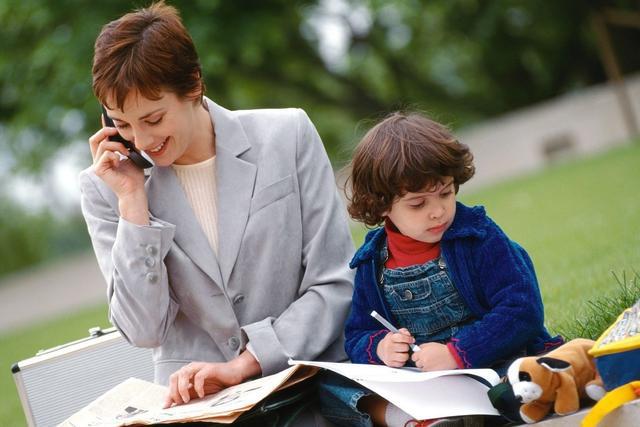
x=31, y=237
x=341, y=60
x=460, y=59
x=22, y=235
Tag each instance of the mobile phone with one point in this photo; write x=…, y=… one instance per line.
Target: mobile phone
x=134, y=154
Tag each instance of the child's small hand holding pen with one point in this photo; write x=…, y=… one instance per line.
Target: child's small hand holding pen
x=393, y=350
x=433, y=356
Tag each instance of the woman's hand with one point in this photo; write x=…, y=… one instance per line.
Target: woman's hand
x=198, y=379
x=434, y=356
x=124, y=178
x=393, y=349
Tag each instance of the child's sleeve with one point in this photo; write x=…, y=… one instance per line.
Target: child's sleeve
x=505, y=280
x=362, y=332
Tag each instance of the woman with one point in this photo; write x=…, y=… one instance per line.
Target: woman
x=233, y=249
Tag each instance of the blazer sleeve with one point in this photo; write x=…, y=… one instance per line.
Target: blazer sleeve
x=315, y=320
x=515, y=312
x=131, y=260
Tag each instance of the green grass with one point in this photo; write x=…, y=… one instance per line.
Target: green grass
x=24, y=343
x=579, y=222
x=600, y=313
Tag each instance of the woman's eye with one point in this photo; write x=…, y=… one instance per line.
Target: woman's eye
x=155, y=122
x=122, y=126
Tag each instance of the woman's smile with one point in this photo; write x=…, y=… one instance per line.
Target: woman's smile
x=158, y=150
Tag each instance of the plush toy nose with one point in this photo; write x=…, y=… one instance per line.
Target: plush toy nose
x=518, y=397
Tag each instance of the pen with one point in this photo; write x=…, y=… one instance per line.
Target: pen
x=390, y=327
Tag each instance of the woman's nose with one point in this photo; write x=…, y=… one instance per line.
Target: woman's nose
x=141, y=141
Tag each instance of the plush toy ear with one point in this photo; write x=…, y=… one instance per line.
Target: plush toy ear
x=554, y=365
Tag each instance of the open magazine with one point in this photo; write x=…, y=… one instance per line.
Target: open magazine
x=135, y=402
x=423, y=395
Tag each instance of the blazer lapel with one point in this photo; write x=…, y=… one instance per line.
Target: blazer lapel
x=235, y=179
x=168, y=202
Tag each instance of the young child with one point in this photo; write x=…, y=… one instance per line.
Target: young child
x=443, y=273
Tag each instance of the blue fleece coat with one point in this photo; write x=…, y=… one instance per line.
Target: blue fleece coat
x=494, y=276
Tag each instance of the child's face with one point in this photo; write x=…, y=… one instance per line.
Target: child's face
x=425, y=216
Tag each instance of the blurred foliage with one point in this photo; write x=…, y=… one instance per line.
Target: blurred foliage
x=341, y=60
x=460, y=59
x=29, y=238
x=24, y=235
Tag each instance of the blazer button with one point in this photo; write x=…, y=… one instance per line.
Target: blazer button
x=152, y=250
x=238, y=299
x=234, y=343
x=149, y=262
x=152, y=277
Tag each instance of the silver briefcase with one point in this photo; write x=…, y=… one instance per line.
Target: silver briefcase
x=56, y=383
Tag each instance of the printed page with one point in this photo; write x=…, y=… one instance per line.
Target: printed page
x=229, y=402
x=423, y=395
x=136, y=401
x=128, y=399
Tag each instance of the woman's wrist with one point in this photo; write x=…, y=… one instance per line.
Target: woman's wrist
x=134, y=208
x=246, y=365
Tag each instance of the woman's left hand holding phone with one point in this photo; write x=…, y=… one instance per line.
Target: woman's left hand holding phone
x=121, y=175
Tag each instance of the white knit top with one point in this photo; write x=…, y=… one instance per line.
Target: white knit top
x=199, y=184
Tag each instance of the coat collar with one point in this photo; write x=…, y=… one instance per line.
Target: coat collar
x=167, y=201
x=235, y=176
x=235, y=179
x=468, y=222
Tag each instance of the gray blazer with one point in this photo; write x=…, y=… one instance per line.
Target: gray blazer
x=281, y=279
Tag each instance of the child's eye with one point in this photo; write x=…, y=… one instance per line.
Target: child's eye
x=416, y=206
x=446, y=193
x=155, y=122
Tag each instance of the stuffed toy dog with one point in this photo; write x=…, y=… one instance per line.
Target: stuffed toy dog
x=559, y=379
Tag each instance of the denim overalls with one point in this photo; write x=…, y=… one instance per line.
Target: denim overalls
x=422, y=299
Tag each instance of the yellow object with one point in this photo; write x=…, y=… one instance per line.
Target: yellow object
x=610, y=402
x=620, y=336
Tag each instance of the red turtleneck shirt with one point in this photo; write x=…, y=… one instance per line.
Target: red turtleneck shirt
x=405, y=251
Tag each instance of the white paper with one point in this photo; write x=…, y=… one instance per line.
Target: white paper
x=423, y=395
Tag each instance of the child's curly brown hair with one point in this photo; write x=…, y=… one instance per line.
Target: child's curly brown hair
x=405, y=152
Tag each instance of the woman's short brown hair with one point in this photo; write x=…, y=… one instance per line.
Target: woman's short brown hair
x=148, y=50
x=405, y=152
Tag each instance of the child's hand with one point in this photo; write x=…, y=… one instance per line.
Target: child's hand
x=433, y=357
x=393, y=350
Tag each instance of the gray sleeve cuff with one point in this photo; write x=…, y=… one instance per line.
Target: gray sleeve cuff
x=266, y=347
x=250, y=349
x=158, y=233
